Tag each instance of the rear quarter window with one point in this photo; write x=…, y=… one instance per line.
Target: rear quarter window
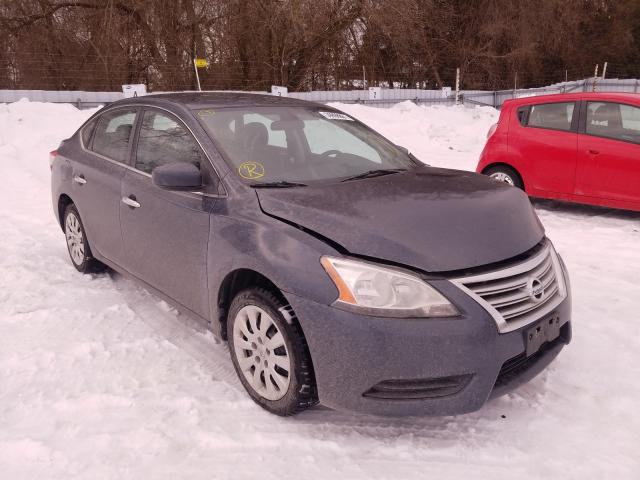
x=86, y=133
x=523, y=114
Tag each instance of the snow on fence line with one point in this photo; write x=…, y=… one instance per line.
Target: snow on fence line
x=387, y=96
x=79, y=98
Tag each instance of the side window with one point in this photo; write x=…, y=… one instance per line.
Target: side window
x=553, y=116
x=87, y=131
x=113, y=133
x=613, y=120
x=163, y=140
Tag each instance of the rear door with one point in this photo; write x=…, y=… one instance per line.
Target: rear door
x=97, y=179
x=609, y=151
x=165, y=232
x=547, y=144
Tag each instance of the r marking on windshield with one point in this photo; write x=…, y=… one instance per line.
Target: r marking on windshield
x=336, y=116
x=251, y=170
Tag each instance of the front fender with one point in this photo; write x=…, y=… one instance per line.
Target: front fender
x=287, y=256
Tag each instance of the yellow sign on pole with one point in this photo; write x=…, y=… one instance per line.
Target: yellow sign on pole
x=201, y=63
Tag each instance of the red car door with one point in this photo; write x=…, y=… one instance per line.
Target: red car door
x=547, y=143
x=609, y=152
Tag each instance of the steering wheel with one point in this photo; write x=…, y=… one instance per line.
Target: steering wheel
x=328, y=166
x=328, y=153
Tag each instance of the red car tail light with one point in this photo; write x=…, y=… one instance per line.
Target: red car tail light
x=52, y=156
x=492, y=130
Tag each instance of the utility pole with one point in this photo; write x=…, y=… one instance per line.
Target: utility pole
x=457, y=86
x=364, y=78
x=195, y=67
x=595, y=78
x=515, y=85
x=604, y=70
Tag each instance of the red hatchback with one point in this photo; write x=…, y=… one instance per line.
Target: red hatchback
x=579, y=147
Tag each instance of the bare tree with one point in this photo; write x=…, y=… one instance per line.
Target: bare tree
x=311, y=44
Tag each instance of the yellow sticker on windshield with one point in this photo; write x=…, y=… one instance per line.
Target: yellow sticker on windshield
x=206, y=113
x=251, y=170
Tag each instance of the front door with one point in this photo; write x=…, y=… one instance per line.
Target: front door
x=609, y=152
x=166, y=233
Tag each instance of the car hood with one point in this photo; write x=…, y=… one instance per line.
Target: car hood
x=432, y=219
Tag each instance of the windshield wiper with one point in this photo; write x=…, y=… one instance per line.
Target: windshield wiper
x=279, y=184
x=374, y=173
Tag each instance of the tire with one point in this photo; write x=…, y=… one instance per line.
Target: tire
x=259, y=355
x=77, y=244
x=506, y=174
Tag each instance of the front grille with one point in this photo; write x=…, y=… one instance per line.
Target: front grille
x=418, y=389
x=519, y=294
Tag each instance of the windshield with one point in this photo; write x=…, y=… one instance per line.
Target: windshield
x=299, y=144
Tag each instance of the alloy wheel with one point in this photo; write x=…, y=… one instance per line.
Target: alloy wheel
x=503, y=177
x=261, y=352
x=75, y=238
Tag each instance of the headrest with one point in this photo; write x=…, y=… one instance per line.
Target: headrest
x=606, y=115
x=255, y=135
x=123, y=131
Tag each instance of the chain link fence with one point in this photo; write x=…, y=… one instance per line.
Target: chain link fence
x=498, y=97
x=385, y=97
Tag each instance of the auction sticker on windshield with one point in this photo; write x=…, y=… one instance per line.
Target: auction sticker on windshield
x=336, y=116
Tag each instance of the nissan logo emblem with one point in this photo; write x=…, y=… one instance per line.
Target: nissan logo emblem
x=535, y=289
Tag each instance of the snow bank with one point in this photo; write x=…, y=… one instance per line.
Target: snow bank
x=28, y=132
x=100, y=379
x=440, y=135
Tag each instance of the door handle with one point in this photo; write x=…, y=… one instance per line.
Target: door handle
x=594, y=152
x=131, y=201
x=79, y=179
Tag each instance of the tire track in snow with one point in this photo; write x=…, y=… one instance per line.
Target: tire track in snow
x=187, y=334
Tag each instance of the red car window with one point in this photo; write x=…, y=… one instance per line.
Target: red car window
x=613, y=120
x=554, y=116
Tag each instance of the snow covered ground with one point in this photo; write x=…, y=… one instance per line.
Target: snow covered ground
x=100, y=379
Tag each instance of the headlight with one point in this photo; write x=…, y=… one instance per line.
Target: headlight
x=382, y=291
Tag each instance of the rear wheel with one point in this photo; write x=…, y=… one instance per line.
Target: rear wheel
x=77, y=244
x=269, y=353
x=506, y=174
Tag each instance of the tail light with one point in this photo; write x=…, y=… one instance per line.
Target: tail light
x=492, y=130
x=52, y=156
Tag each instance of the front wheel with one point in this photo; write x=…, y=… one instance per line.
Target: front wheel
x=269, y=353
x=506, y=174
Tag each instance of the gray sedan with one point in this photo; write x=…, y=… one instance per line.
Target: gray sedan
x=340, y=269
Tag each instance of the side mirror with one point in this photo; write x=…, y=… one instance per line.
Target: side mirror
x=177, y=176
x=404, y=149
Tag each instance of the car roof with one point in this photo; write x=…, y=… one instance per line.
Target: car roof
x=197, y=100
x=560, y=97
